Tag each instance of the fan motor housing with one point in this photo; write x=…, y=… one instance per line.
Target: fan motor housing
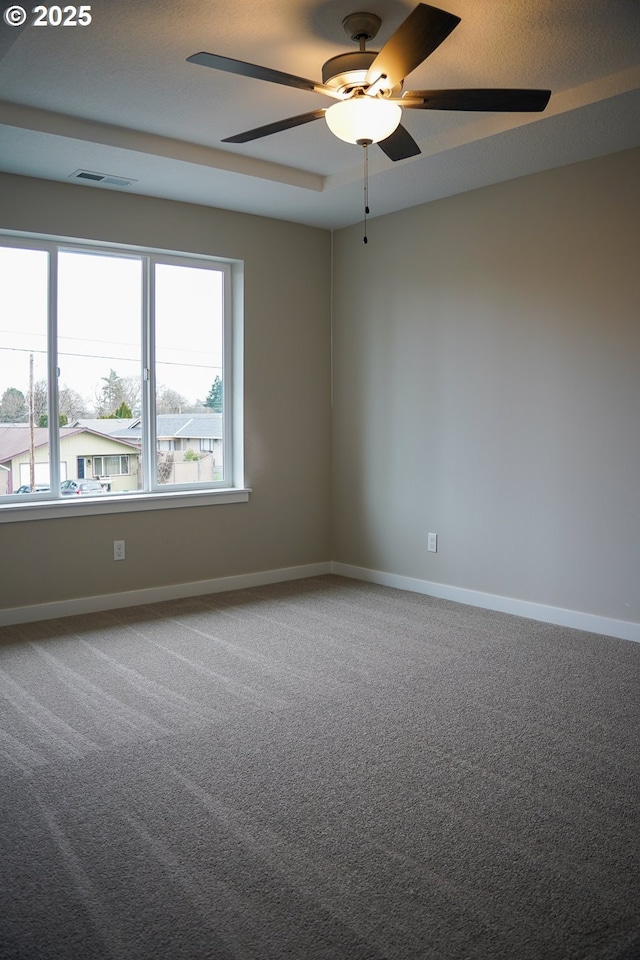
x=348, y=71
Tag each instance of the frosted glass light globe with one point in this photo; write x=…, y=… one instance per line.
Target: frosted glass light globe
x=363, y=119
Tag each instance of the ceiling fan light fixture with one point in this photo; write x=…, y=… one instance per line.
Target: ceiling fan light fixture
x=363, y=119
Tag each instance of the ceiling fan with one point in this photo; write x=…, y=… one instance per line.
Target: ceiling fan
x=368, y=84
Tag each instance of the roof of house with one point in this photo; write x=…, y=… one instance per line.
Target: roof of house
x=106, y=426
x=15, y=440
x=196, y=425
x=169, y=426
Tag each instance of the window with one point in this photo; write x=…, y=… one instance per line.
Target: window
x=115, y=364
x=110, y=466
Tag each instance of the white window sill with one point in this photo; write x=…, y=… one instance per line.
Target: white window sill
x=120, y=503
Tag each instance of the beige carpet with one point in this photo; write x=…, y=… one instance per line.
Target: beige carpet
x=318, y=769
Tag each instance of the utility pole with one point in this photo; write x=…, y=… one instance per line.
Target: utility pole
x=32, y=443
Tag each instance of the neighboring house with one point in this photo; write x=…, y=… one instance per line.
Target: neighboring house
x=83, y=453
x=176, y=434
x=201, y=432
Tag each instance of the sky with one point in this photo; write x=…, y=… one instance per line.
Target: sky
x=99, y=322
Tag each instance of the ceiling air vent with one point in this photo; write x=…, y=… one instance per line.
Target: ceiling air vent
x=91, y=177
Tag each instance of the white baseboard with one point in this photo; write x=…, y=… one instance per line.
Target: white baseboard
x=135, y=598
x=622, y=629
x=606, y=626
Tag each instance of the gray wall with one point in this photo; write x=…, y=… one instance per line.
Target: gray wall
x=287, y=406
x=486, y=383
x=487, y=387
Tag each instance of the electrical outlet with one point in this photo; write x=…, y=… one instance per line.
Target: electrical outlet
x=432, y=542
x=118, y=550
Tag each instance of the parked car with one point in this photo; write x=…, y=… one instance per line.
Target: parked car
x=38, y=488
x=83, y=488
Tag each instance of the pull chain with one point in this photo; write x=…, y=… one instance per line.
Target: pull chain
x=366, y=191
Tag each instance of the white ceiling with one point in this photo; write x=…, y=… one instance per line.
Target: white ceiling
x=117, y=97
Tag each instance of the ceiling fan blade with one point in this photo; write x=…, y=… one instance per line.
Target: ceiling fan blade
x=399, y=145
x=525, y=101
x=276, y=127
x=253, y=70
x=414, y=40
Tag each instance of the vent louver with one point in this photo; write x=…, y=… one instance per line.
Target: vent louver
x=91, y=176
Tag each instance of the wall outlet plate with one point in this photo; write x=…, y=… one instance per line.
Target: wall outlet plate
x=432, y=542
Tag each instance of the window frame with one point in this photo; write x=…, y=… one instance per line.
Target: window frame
x=107, y=473
x=153, y=496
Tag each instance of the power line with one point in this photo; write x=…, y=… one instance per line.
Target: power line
x=93, y=356
x=113, y=343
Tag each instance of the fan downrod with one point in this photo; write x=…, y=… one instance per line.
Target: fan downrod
x=347, y=72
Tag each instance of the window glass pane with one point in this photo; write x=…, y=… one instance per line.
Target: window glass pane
x=24, y=413
x=189, y=374
x=110, y=466
x=99, y=355
x=92, y=305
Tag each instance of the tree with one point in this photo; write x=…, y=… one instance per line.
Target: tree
x=164, y=466
x=43, y=420
x=13, y=406
x=109, y=396
x=170, y=401
x=122, y=413
x=214, y=397
x=191, y=455
x=70, y=404
x=115, y=391
x=40, y=401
